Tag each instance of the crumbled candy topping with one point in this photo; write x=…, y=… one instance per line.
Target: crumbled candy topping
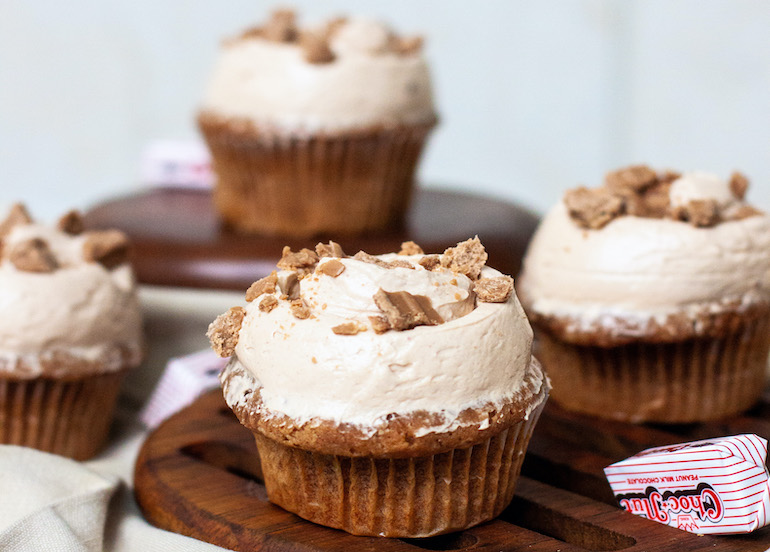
x=107, y=247
x=223, y=332
x=315, y=44
x=640, y=191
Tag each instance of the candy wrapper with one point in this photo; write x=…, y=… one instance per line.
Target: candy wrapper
x=184, y=380
x=714, y=486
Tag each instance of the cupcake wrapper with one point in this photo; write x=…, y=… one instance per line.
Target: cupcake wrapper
x=301, y=186
x=689, y=381
x=398, y=497
x=71, y=418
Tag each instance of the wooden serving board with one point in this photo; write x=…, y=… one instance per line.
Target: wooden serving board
x=199, y=474
x=179, y=241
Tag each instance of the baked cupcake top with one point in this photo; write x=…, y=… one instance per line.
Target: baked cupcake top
x=659, y=256
x=345, y=74
x=357, y=340
x=67, y=297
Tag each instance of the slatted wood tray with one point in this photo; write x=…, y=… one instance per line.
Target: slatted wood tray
x=198, y=474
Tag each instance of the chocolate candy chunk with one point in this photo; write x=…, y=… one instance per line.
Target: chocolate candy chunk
x=410, y=248
x=467, y=258
x=380, y=324
x=300, y=309
x=223, y=332
x=494, y=290
x=315, y=48
x=289, y=285
x=263, y=285
x=107, y=247
x=405, y=311
x=738, y=185
x=745, y=211
x=302, y=261
x=430, y=262
x=593, y=208
x=17, y=215
x=268, y=303
x=33, y=255
x=349, y=328
x=332, y=268
x=636, y=178
x=332, y=249
x=407, y=46
x=71, y=223
x=701, y=213
x=282, y=26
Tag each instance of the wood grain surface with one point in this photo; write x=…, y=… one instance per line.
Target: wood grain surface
x=198, y=474
x=179, y=241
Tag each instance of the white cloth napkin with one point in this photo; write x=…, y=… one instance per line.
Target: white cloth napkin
x=51, y=503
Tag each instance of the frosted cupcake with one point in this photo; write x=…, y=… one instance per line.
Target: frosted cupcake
x=650, y=297
x=317, y=130
x=69, y=329
x=391, y=395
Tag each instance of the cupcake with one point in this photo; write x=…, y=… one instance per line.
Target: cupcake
x=389, y=395
x=316, y=130
x=69, y=329
x=650, y=297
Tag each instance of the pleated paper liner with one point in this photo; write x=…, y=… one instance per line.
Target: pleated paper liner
x=399, y=497
x=71, y=418
x=345, y=183
x=694, y=380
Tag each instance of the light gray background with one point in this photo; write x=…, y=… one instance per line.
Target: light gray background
x=534, y=96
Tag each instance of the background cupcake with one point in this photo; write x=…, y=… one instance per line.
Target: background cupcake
x=317, y=130
x=69, y=328
x=385, y=400
x=650, y=297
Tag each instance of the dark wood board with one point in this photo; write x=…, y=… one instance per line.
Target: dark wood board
x=179, y=241
x=198, y=474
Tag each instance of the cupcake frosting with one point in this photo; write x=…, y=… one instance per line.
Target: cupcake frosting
x=349, y=74
x=65, y=297
x=346, y=362
x=638, y=267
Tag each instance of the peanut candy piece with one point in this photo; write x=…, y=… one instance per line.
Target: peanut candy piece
x=282, y=26
x=654, y=202
x=410, y=248
x=467, y=258
x=332, y=268
x=33, y=255
x=71, y=223
x=300, y=309
x=494, y=290
x=268, y=303
x=315, y=48
x=332, y=249
x=738, y=185
x=405, y=311
x=407, y=46
x=745, y=211
x=700, y=213
x=380, y=324
x=302, y=261
x=364, y=257
x=107, y=247
x=349, y=328
x=430, y=262
x=593, y=208
x=636, y=178
x=223, y=332
x=263, y=285
x=17, y=215
x=398, y=263
x=289, y=285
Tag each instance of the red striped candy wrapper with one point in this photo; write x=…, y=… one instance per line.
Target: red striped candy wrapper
x=715, y=486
